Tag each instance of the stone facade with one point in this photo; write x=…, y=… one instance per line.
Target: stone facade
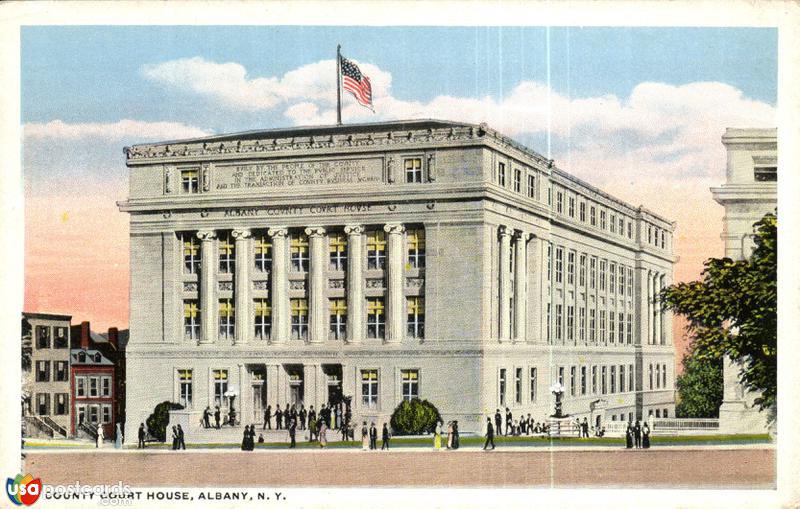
x=389, y=260
x=750, y=191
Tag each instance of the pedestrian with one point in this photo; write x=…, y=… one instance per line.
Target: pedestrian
x=292, y=431
x=449, y=434
x=339, y=416
x=456, y=438
x=260, y=438
x=323, y=434
x=312, y=427
x=142, y=434
x=99, y=442
x=489, y=434
x=385, y=437
x=312, y=414
x=303, y=415
x=181, y=438
x=637, y=434
x=498, y=420
x=232, y=416
x=217, y=415
x=629, y=436
x=118, y=437
x=278, y=417
x=207, y=417
x=175, y=440
x=373, y=436
x=364, y=437
x=267, y=417
x=509, y=422
x=585, y=428
x=437, y=436
x=245, y=438
x=646, y=436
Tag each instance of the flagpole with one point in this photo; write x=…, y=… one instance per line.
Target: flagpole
x=338, y=84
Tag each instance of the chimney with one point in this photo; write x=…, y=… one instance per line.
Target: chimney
x=85, y=335
x=113, y=338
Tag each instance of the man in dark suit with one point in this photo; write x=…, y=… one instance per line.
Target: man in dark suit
x=142, y=434
x=207, y=417
x=489, y=434
x=303, y=415
x=181, y=438
x=217, y=414
x=373, y=436
x=637, y=435
x=278, y=417
x=292, y=425
x=312, y=415
x=385, y=437
x=267, y=417
x=498, y=421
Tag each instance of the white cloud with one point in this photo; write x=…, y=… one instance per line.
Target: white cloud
x=121, y=130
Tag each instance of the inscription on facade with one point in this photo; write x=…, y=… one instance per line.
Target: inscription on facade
x=293, y=210
x=300, y=173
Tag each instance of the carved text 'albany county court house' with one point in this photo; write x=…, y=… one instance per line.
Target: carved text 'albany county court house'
x=384, y=262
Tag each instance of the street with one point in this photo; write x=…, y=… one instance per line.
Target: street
x=674, y=467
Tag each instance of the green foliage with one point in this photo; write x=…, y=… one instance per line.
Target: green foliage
x=157, y=421
x=732, y=311
x=700, y=387
x=414, y=417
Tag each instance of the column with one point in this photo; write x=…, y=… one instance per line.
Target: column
x=245, y=408
x=659, y=287
x=505, y=284
x=208, y=293
x=533, y=274
x=241, y=285
x=656, y=310
x=520, y=285
x=666, y=316
x=272, y=385
x=317, y=284
x=396, y=303
x=649, y=307
x=279, y=293
x=355, y=283
x=310, y=385
x=282, y=384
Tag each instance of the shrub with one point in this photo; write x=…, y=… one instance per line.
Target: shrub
x=414, y=417
x=158, y=421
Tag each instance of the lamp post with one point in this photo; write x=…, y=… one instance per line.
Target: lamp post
x=558, y=391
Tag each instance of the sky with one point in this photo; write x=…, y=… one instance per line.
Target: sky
x=638, y=112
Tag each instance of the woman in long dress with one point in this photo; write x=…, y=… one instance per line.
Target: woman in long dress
x=629, y=437
x=437, y=436
x=364, y=437
x=323, y=438
x=450, y=434
x=645, y=436
x=118, y=437
x=245, y=438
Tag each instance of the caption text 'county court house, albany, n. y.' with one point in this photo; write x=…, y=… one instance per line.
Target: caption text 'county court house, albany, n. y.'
x=386, y=261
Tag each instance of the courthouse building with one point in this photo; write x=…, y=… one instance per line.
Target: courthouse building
x=388, y=261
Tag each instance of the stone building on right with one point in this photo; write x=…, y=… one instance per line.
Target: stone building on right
x=749, y=192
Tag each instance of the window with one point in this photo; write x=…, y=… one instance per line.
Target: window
x=263, y=255
x=665, y=414
x=369, y=387
x=517, y=180
x=559, y=202
x=61, y=406
x=549, y=196
x=416, y=317
x=561, y=375
x=549, y=321
x=533, y=382
x=621, y=325
x=621, y=378
x=227, y=254
x=602, y=275
x=611, y=327
x=571, y=268
x=220, y=386
x=593, y=272
x=583, y=380
x=190, y=181
x=106, y=414
x=191, y=320
x=559, y=264
x=338, y=314
x=612, y=277
x=664, y=376
x=376, y=323
x=61, y=371
x=62, y=338
x=43, y=404
x=649, y=234
x=571, y=207
x=592, y=325
x=549, y=263
x=105, y=386
x=602, y=219
x=185, y=389
x=94, y=413
x=42, y=336
x=263, y=319
x=613, y=223
x=630, y=378
x=658, y=376
x=650, y=375
x=80, y=387
x=621, y=226
x=502, y=387
x=593, y=216
x=501, y=174
x=376, y=249
x=227, y=319
x=409, y=381
x=658, y=412
x=298, y=252
x=629, y=283
x=338, y=251
x=630, y=230
x=582, y=324
x=582, y=270
x=603, y=380
x=42, y=371
x=570, y=322
x=594, y=379
x=559, y=321
x=416, y=248
x=299, y=318
x=191, y=254
x=613, y=379
x=629, y=329
x=765, y=173
x=621, y=280
x=582, y=211
x=94, y=383
x=531, y=186
x=603, y=325
x=663, y=239
x=413, y=168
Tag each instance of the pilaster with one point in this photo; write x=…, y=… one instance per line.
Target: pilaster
x=355, y=283
x=505, y=283
x=396, y=302
x=280, y=284
x=520, y=285
x=317, y=284
x=242, y=285
x=208, y=287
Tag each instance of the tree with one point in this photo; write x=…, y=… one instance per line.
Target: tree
x=157, y=421
x=414, y=417
x=732, y=311
x=700, y=387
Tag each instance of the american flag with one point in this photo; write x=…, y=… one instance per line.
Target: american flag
x=356, y=83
